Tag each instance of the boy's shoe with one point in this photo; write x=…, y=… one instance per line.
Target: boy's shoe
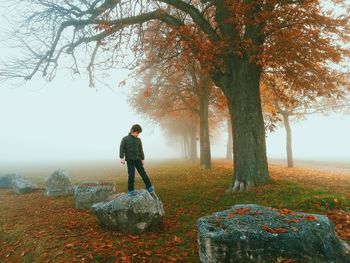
x=131, y=193
x=151, y=189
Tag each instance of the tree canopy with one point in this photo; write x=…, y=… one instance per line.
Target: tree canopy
x=236, y=42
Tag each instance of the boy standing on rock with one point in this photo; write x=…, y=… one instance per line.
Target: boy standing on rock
x=131, y=147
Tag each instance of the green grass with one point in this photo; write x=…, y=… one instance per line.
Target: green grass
x=187, y=192
x=205, y=190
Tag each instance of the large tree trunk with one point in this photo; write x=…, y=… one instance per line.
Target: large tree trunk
x=288, y=139
x=205, y=155
x=243, y=92
x=229, y=145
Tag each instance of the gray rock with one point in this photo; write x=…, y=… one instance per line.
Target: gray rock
x=6, y=180
x=131, y=214
x=58, y=184
x=21, y=185
x=88, y=193
x=236, y=235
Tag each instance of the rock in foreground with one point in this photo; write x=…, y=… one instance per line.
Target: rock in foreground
x=252, y=233
x=6, y=180
x=131, y=214
x=21, y=185
x=88, y=193
x=58, y=183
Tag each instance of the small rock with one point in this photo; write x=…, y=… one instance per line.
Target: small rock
x=253, y=233
x=6, y=180
x=58, y=184
x=88, y=193
x=131, y=214
x=21, y=185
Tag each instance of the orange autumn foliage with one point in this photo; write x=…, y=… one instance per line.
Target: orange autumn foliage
x=234, y=42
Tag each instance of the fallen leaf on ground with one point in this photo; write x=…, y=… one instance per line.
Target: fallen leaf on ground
x=177, y=240
x=293, y=221
x=242, y=211
x=69, y=245
x=309, y=218
x=285, y=211
x=231, y=215
x=255, y=213
x=277, y=230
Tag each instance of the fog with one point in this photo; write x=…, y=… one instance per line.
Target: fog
x=67, y=120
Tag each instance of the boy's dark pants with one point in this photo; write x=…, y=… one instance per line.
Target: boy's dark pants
x=132, y=164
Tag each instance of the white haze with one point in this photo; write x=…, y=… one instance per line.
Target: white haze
x=67, y=120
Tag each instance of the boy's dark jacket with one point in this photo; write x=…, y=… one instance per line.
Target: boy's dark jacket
x=131, y=147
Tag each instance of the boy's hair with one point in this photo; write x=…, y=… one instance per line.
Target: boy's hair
x=136, y=128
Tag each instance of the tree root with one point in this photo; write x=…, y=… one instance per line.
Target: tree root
x=240, y=186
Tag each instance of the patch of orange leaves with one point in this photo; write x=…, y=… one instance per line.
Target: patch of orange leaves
x=285, y=211
x=341, y=220
x=242, y=211
x=293, y=221
x=277, y=230
x=56, y=231
x=309, y=217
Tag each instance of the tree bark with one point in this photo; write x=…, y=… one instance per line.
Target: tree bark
x=229, y=145
x=205, y=154
x=243, y=92
x=288, y=139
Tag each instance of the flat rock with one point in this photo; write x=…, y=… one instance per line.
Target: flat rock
x=253, y=233
x=58, y=184
x=6, y=179
x=21, y=185
x=131, y=214
x=91, y=192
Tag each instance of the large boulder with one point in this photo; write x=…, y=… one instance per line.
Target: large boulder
x=6, y=180
x=88, y=193
x=252, y=233
x=131, y=214
x=58, y=183
x=21, y=185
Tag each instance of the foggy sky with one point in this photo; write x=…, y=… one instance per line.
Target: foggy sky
x=66, y=119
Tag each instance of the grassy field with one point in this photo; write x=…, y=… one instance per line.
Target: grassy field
x=35, y=228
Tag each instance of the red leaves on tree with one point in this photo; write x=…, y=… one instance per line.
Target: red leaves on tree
x=147, y=92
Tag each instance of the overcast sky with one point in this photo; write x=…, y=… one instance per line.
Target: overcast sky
x=66, y=119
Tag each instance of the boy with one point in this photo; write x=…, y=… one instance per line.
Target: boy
x=131, y=147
